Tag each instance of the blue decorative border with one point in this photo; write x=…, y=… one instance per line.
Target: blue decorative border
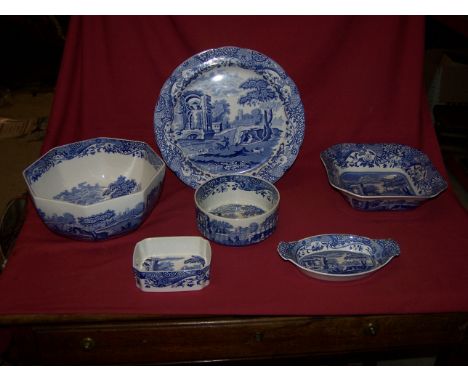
x=192, y=68
x=175, y=279
x=225, y=233
x=90, y=147
x=233, y=182
x=86, y=194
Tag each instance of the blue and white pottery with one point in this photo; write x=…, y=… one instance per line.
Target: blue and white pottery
x=382, y=176
x=229, y=111
x=172, y=264
x=237, y=210
x=97, y=188
x=339, y=257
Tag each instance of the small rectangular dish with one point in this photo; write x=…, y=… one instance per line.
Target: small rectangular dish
x=382, y=176
x=172, y=264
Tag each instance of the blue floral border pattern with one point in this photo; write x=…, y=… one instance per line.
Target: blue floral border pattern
x=339, y=254
x=103, y=225
x=221, y=230
x=233, y=182
x=379, y=205
x=248, y=59
x=177, y=279
x=87, y=148
x=169, y=263
x=225, y=233
x=424, y=176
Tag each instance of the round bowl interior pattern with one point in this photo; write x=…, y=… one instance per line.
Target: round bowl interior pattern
x=382, y=176
x=237, y=210
x=339, y=257
x=97, y=188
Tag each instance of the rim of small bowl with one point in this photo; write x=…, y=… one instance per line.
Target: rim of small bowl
x=266, y=213
x=337, y=276
x=382, y=197
x=103, y=202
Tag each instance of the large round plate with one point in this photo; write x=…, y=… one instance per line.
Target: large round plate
x=229, y=111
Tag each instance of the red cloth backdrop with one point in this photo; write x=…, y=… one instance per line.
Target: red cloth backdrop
x=360, y=80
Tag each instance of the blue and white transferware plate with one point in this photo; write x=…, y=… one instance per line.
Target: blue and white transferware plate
x=382, y=176
x=339, y=257
x=229, y=111
x=172, y=264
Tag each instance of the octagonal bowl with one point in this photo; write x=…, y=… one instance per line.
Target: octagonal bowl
x=97, y=188
x=237, y=210
x=382, y=176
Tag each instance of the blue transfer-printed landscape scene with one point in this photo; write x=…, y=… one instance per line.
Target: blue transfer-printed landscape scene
x=95, y=227
x=228, y=121
x=376, y=183
x=338, y=262
x=236, y=211
x=101, y=225
x=173, y=263
x=86, y=194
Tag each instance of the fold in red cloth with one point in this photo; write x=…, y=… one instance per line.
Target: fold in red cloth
x=360, y=80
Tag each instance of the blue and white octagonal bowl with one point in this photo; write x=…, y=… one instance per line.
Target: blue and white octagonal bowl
x=237, y=210
x=339, y=257
x=172, y=264
x=97, y=188
x=382, y=176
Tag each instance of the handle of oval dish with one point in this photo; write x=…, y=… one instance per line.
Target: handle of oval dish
x=390, y=249
x=284, y=250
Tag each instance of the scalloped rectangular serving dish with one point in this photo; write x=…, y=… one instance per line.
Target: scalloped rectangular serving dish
x=382, y=176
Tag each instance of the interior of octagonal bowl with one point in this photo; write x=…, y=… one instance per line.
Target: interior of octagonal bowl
x=94, y=178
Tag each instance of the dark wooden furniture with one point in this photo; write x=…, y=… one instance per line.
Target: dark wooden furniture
x=240, y=340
